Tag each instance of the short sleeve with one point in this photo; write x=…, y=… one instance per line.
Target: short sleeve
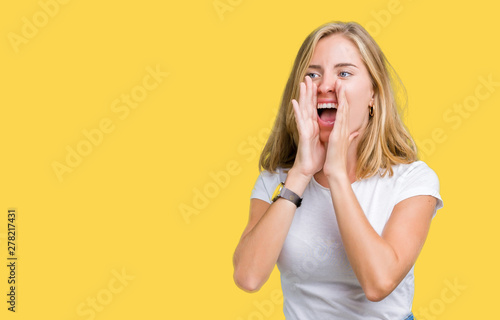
x=265, y=185
x=418, y=180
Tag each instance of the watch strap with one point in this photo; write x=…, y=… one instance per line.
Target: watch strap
x=291, y=196
x=288, y=195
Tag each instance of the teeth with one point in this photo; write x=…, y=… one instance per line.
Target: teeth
x=327, y=105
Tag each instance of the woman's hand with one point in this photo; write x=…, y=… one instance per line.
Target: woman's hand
x=311, y=152
x=340, y=138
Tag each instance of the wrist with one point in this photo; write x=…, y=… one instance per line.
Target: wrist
x=338, y=179
x=296, y=181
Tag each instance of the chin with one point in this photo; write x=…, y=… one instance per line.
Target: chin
x=324, y=135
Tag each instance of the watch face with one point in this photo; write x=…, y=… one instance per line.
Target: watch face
x=277, y=192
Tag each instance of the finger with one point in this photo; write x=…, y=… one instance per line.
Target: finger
x=307, y=106
x=303, y=101
x=341, y=95
x=336, y=84
x=339, y=120
x=302, y=94
x=343, y=116
x=314, y=101
x=297, y=112
x=345, y=112
x=299, y=119
x=353, y=136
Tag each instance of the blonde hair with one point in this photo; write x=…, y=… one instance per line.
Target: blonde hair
x=385, y=141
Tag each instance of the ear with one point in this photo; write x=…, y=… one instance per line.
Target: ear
x=372, y=99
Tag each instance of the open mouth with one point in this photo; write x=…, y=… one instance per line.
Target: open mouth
x=327, y=112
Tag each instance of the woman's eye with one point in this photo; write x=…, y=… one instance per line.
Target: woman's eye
x=344, y=74
x=312, y=75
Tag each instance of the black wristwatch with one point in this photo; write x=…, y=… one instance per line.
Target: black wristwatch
x=282, y=192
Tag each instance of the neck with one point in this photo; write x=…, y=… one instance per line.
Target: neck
x=351, y=160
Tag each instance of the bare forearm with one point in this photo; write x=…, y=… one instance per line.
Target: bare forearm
x=372, y=258
x=258, y=250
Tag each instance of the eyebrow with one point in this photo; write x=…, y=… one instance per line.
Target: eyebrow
x=342, y=64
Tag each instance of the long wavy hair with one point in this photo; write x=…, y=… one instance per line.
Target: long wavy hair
x=385, y=142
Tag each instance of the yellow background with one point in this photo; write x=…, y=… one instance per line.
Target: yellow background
x=118, y=210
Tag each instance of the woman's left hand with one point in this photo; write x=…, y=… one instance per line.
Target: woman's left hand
x=340, y=138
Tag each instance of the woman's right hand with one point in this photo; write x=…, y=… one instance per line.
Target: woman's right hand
x=311, y=152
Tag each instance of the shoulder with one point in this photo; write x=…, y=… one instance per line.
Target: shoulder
x=417, y=178
x=279, y=175
x=415, y=171
x=405, y=172
x=267, y=182
x=419, y=166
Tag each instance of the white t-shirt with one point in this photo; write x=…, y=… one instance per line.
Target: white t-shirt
x=316, y=277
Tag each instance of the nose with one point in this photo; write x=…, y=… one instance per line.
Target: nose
x=326, y=83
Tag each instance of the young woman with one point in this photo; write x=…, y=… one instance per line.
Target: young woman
x=343, y=205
